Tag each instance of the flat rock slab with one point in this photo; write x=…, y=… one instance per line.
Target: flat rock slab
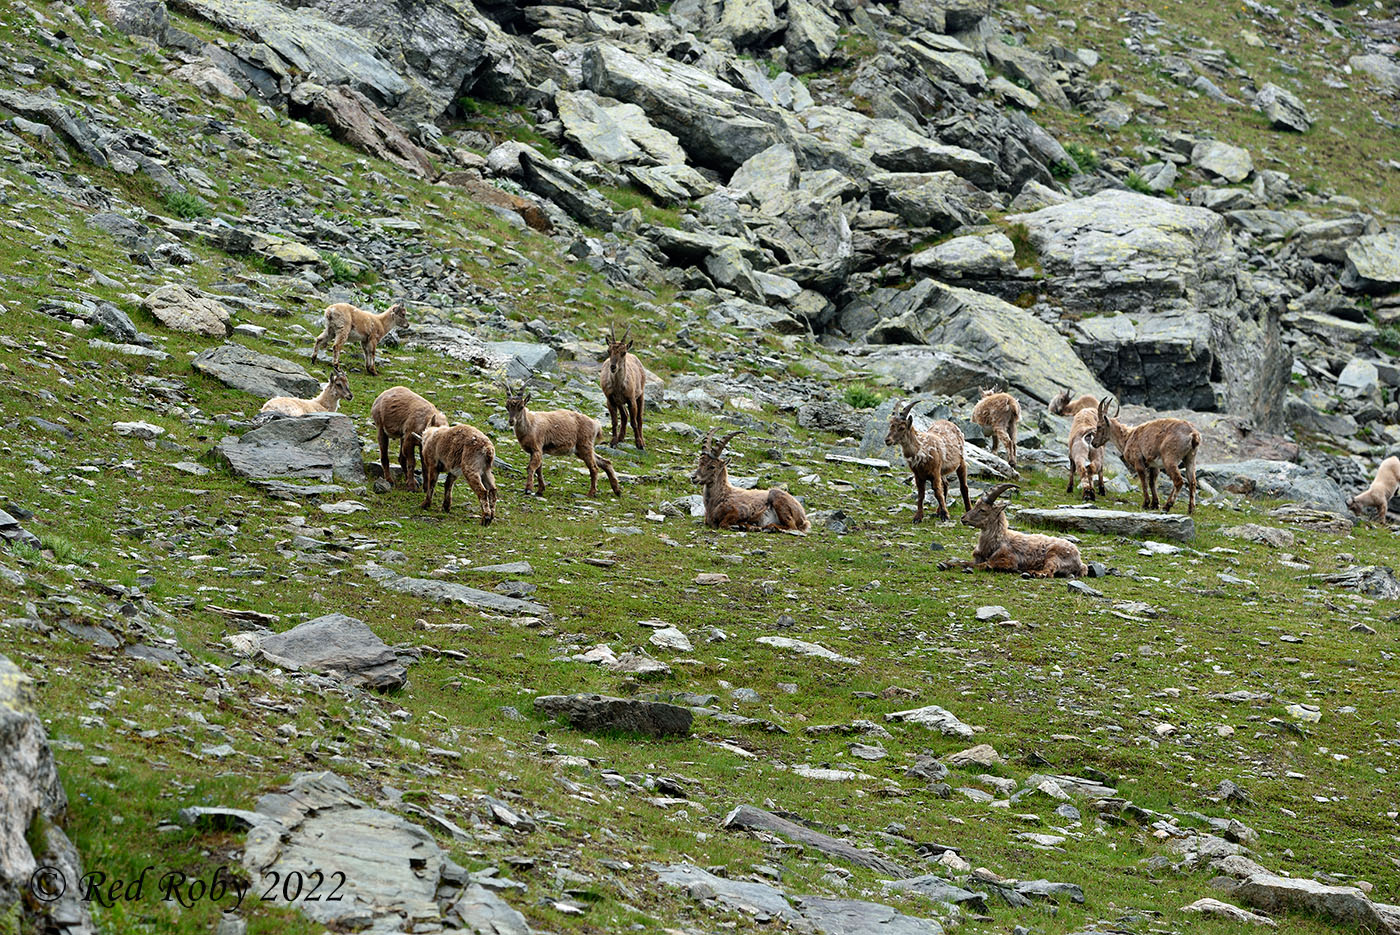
x=818, y=914
x=748, y=818
x=321, y=446
x=805, y=648
x=1336, y=903
x=604, y=713
x=1228, y=911
x=931, y=886
x=182, y=310
x=262, y=375
x=431, y=589
x=341, y=646
x=934, y=718
x=1175, y=526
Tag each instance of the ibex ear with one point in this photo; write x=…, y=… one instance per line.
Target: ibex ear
x=629, y=345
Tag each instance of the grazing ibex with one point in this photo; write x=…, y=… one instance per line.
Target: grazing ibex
x=344, y=321
x=400, y=413
x=624, y=383
x=1085, y=457
x=931, y=456
x=1378, y=495
x=332, y=393
x=557, y=432
x=728, y=507
x=1165, y=444
x=999, y=414
x=459, y=451
x=1000, y=548
x=1062, y=405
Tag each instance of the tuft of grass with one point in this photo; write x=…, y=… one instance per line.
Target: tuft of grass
x=1064, y=169
x=187, y=206
x=861, y=396
x=1137, y=183
x=342, y=271
x=1084, y=157
x=1027, y=256
x=1388, y=339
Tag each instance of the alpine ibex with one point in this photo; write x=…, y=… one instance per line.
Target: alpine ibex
x=1378, y=495
x=999, y=414
x=459, y=451
x=931, y=456
x=557, y=432
x=1165, y=444
x=624, y=384
x=400, y=413
x=1000, y=548
x=728, y=507
x=336, y=389
x=344, y=321
x=1062, y=405
x=1084, y=457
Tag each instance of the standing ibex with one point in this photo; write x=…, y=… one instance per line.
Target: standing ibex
x=935, y=453
x=1378, y=495
x=557, y=432
x=344, y=321
x=1000, y=548
x=999, y=413
x=1166, y=444
x=624, y=383
x=459, y=451
x=1085, y=457
x=729, y=507
x=400, y=413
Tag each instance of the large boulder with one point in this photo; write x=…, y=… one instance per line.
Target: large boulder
x=1262, y=479
x=182, y=310
x=613, y=132
x=861, y=145
x=719, y=125
x=811, y=36
x=1283, y=109
x=147, y=18
x=322, y=446
x=1373, y=263
x=1021, y=63
x=307, y=42
x=45, y=107
x=1346, y=904
x=1120, y=253
x=1231, y=163
x=747, y=23
x=337, y=645
x=767, y=175
x=31, y=805
x=260, y=374
x=568, y=191
x=356, y=121
x=1384, y=69
x=628, y=715
x=1028, y=355
x=1176, y=526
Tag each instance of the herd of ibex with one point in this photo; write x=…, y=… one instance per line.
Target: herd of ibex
x=462, y=451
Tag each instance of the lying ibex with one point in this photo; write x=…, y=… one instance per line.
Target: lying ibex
x=624, y=383
x=557, y=432
x=400, y=413
x=729, y=507
x=1062, y=405
x=999, y=414
x=1000, y=548
x=1168, y=444
x=332, y=393
x=1085, y=457
x=931, y=456
x=459, y=451
x=1378, y=495
x=344, y=321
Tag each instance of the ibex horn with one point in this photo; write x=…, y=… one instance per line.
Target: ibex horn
x=904, y=413
x=709, y=439
x=990, y=496
x=719, y=448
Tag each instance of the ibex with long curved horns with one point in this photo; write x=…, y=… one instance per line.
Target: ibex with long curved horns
x=931, y=456
x=1165, y=444
x=1000, y=548
x=728, y=507
x=624, y=383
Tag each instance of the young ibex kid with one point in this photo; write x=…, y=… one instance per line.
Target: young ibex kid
x=1378, y=495
x=999, y=414
x=344, y=321
x=332, y=393
x=557, y=432
x=459, y=451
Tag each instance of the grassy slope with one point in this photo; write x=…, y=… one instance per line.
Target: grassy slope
x=1056, y=687
x=1346, y=150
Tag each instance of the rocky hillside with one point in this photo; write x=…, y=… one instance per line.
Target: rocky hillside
x=236, y=654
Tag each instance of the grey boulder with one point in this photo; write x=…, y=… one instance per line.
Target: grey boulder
x=1373, y=263
x=631, y=716
x=1276, y=480
x=182, y=310
x=259, y=374
x=1284, y=110
x=340, y=646
x=1178, y=527
x=321, y=446
x=1222, y=160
